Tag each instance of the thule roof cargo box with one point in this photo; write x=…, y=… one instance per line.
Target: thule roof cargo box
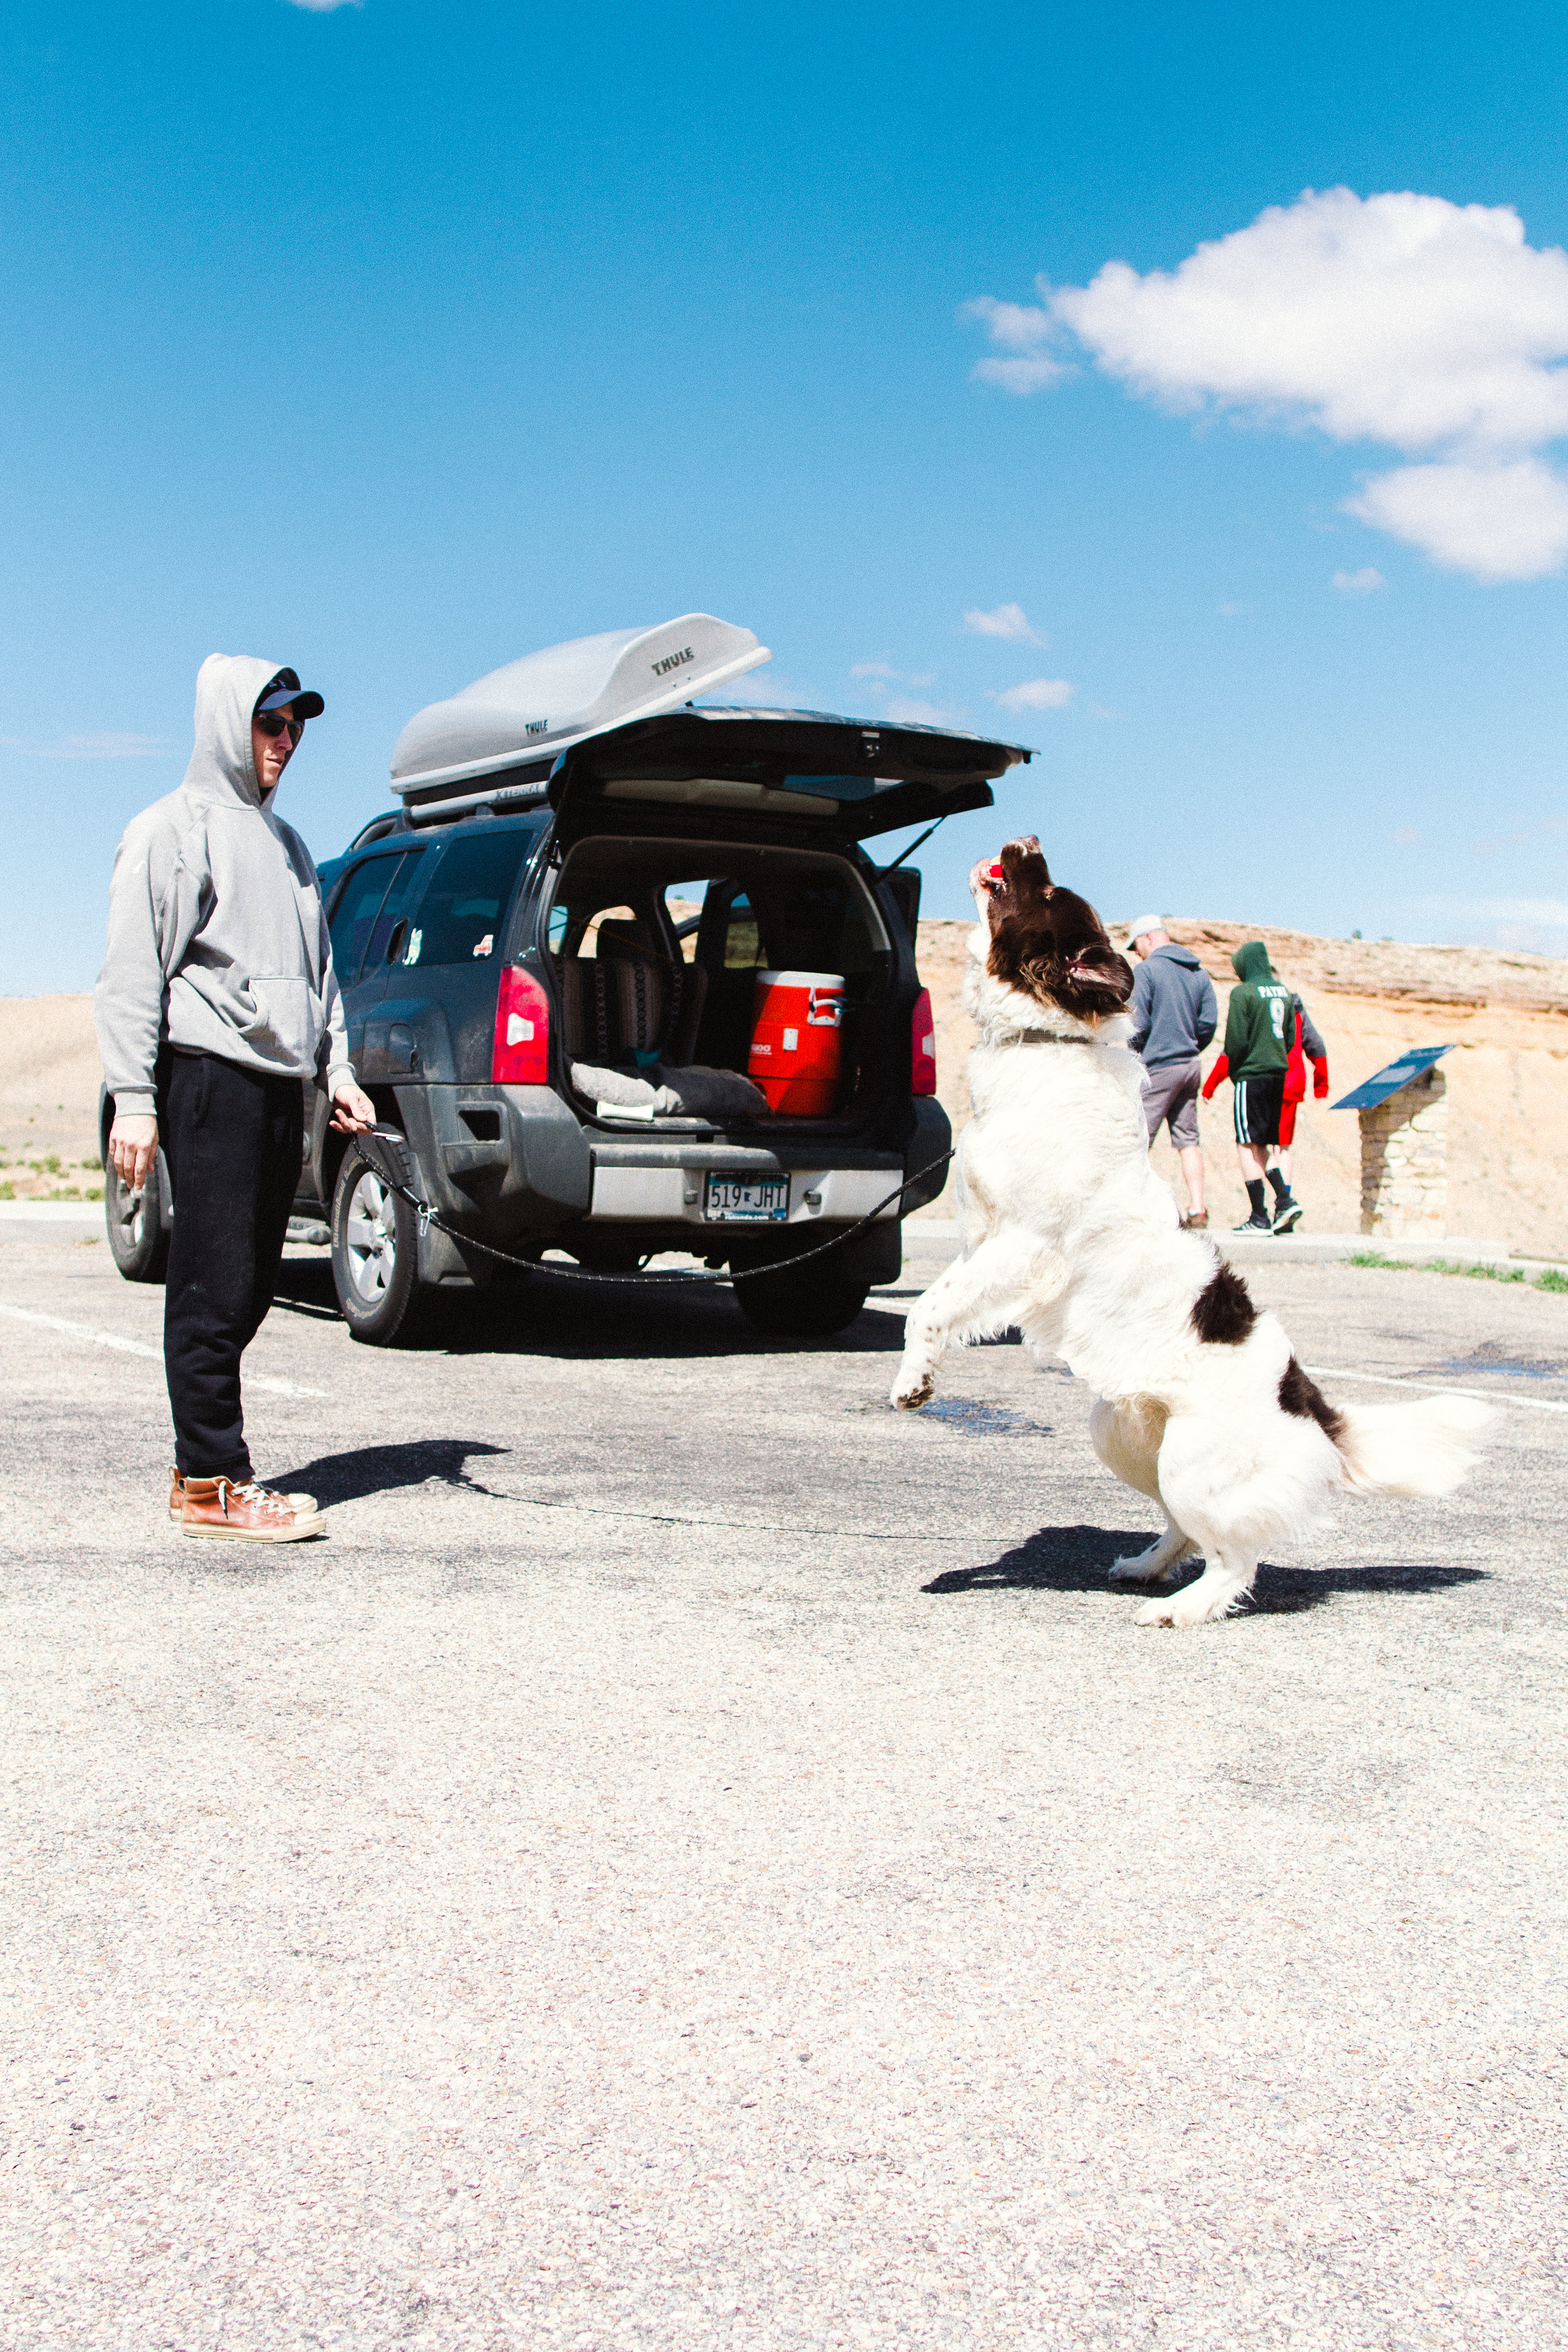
x=610, y=719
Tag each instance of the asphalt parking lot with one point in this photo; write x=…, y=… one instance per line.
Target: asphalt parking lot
x=694, y=1858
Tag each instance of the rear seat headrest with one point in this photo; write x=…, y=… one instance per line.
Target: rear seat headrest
x=621, y=931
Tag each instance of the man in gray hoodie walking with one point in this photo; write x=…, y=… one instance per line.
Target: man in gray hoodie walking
x=1174, y=1014
x=217, y=998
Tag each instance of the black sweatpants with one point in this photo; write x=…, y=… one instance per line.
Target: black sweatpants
x=232, y=1139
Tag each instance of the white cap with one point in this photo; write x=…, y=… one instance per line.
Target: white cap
x=1142, y=927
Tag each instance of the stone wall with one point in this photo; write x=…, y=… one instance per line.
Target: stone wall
x=1404, y=1161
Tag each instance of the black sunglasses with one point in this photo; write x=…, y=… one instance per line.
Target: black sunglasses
x=273, y=722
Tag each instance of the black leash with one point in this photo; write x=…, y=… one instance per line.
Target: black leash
x=386, y=1150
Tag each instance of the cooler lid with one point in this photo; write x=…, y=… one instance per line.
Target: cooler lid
x=853, y=777
x=550, y=699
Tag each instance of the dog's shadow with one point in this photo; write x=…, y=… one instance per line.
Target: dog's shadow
x=1076, y=1560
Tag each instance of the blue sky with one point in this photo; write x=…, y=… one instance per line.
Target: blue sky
x=394, y=342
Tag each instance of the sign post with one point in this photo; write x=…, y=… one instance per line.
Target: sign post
x=1404, y=1115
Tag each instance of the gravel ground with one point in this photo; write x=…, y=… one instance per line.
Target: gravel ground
x=695, y=1859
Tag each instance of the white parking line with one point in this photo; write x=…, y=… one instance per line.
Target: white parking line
x=1428, y=1388
x=140, y=1348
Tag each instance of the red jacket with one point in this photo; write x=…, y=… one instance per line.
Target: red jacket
x=1295, y=1063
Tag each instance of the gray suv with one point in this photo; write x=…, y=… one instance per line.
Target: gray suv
x=504, y=941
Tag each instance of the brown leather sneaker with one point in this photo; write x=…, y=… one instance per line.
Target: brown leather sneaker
x=304, y=1505
x=216, y=1506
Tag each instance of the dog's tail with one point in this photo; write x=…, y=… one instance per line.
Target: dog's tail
x=1411, y=1449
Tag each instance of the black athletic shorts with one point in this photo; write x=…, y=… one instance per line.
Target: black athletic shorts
x=1258, y=1103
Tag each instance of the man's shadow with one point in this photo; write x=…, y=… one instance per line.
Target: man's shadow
x=1076, y=1560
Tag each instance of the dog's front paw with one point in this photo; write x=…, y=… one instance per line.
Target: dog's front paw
x=1192, y=1606
x=913, y=1388
x=1165, y=1613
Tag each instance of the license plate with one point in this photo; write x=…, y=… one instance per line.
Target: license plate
x=746, y=1200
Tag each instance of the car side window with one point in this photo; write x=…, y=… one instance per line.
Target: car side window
x=462, y=914
x=389, y=936
x=742, y=946
x=354, y=919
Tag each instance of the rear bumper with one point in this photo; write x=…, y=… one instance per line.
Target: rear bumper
x=508, y=1164
x=674, y=1195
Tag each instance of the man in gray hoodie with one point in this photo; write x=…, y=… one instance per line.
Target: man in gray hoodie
x=217, y=998
x=1174, y=1014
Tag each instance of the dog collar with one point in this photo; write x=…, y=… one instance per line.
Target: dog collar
x=1034, y=1037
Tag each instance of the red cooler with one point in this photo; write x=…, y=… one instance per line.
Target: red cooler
x=795, y=1037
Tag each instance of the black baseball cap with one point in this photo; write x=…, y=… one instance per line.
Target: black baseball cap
x=285, y=693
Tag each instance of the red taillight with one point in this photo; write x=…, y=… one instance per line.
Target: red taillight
x=922, y=1046
x=522, y=1056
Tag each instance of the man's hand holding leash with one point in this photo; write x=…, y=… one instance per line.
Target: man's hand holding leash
x=353, y=1113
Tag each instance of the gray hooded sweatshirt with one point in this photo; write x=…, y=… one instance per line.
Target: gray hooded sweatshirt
x=217, y=941
x=1174, y=1009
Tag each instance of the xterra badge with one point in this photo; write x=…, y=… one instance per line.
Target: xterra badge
x=673, y=661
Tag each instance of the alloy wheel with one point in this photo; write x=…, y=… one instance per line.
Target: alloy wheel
x=370, y=1237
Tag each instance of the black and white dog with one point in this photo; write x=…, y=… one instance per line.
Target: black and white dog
x=1069, y=1234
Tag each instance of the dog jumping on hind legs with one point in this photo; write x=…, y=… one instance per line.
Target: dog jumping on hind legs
x=1069, y=1234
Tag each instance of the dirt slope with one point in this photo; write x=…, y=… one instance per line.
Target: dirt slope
x=49, y=1093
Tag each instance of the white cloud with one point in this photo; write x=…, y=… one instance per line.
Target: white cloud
x=1496, y=522
x=885, y=672
x=1432, y=327
x=1009, y=621
x=1534, y=925
x=1394, y=318
x=325, y=7
x=88, y=747
x=1494, y=847
x=1228, y=612
x=1364, y=583
x=1020, y=330
x=1407, y=835
x=1036, y=694
x=902, y=711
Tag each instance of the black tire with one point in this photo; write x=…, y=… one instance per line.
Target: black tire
x=137, y=1239
x=375, y=1256
x=801, y=1305
x=609, y=1257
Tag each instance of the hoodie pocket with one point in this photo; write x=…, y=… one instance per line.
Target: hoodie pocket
x=285, y=1021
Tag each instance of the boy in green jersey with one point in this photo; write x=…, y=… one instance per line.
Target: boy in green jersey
x=1256, y=1049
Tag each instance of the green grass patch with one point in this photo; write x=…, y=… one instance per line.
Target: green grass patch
x=1548, y=1281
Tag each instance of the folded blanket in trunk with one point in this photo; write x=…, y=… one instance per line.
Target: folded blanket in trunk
x=693, y=1092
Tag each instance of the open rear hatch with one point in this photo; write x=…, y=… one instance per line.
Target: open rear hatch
x=843, y=779
x=764, y=811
